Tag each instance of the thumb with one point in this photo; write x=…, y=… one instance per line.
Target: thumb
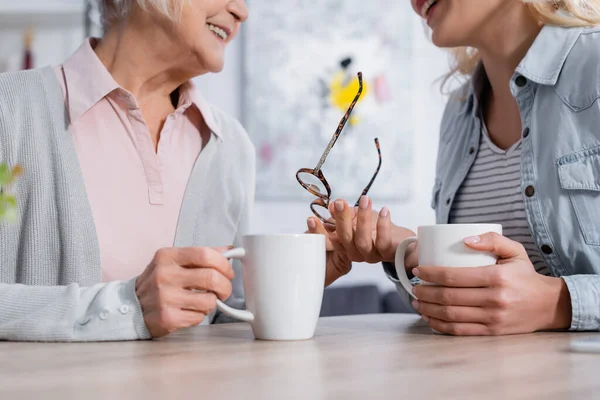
x=497, y=244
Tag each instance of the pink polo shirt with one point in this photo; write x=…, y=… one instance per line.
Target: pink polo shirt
x=134, y=191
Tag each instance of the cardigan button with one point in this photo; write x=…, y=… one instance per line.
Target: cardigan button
x=471, y=150
x=526, y=132
x=103, y=315
x=124, y=309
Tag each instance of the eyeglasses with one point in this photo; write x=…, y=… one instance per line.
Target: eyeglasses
x=314, y=181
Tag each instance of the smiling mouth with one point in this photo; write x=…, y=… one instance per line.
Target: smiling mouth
x=427, y=6
x=218, y=31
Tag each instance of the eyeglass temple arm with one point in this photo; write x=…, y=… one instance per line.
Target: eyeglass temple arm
x=368, y=187
x=341, y=125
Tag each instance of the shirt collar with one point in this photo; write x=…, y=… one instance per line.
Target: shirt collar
x=542, y=64
x=88, y=81
x=544, y=61
x=188, y=95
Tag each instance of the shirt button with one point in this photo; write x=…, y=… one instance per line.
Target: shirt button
x=521, y=81
x=526, y=132
x=124, y=309
x=471, y=150
x=103, y=315
x=547, y=249
x=529, y=191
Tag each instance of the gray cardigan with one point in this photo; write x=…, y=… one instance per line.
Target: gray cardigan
x=50, y=272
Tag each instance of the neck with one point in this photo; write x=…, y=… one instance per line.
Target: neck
x=143, y=58
x=504, y=42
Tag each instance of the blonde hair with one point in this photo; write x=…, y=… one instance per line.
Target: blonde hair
x=567, y=13
x=113, y=11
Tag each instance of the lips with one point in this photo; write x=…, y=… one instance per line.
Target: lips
x=420, y=4
x=225, y=28
x=425, y=6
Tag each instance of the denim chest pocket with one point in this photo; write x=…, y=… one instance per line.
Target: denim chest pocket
x=579, y=175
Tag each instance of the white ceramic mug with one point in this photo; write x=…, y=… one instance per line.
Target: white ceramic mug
x=284, y=278
x=443, y=246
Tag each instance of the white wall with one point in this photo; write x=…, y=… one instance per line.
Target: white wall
x=223, y=89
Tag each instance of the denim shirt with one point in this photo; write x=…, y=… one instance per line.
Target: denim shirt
x=557, y=89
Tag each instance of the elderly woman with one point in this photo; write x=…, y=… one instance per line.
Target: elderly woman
x=131, y=180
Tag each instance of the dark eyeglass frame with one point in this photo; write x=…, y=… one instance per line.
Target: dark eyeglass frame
x=323, y=199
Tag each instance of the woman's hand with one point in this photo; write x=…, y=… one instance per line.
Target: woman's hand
x=507, y=298
x=359, y=235
x=166, y=288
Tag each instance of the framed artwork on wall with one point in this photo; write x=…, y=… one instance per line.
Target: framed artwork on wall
x=301, y=59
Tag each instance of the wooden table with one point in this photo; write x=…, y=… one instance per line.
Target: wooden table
x=391, y=356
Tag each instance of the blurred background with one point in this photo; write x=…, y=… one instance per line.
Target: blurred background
x=288, y=78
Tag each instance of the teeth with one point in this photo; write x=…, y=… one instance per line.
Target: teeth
x=428, y=4
x=218, y=31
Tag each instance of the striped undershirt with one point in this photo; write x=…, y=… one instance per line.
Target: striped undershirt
x=491, y=193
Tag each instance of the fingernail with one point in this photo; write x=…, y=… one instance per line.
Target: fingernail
x=472, y=240
x=363, y=203
x=339, y=205
x=416, y=272
x=384, y=212
x=331, y=208
x=415, y=304
x=425, y=318
x=414, y=290
x=311, y=223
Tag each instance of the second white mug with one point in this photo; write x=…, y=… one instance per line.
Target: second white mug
x=443, y=246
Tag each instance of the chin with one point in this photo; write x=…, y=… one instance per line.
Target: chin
x=217, y=67
x=439, y=39
x=209, y=63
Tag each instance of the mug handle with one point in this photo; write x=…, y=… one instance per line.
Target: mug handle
x=242, y=315
x=401, y=268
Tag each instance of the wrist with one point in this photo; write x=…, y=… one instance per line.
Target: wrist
x=558, y=305
x=398, y=235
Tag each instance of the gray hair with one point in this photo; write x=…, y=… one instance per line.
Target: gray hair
x=113, y=11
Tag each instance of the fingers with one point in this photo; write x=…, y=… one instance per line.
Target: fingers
x=452, y=313
x=208, y=279
x=497, y=244
x=473, y=297
x=473, y=277
x=458, y=328
x=315, y=226
x=203, y=257
x=363, y=237
x=202, y=302
x=344, y=228
x=383, y=241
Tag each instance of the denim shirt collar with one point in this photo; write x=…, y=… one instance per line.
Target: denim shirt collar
x=542, y=64
x=547, y=55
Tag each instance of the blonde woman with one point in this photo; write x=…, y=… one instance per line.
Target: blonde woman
x=520, y=146
x=131, y=180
